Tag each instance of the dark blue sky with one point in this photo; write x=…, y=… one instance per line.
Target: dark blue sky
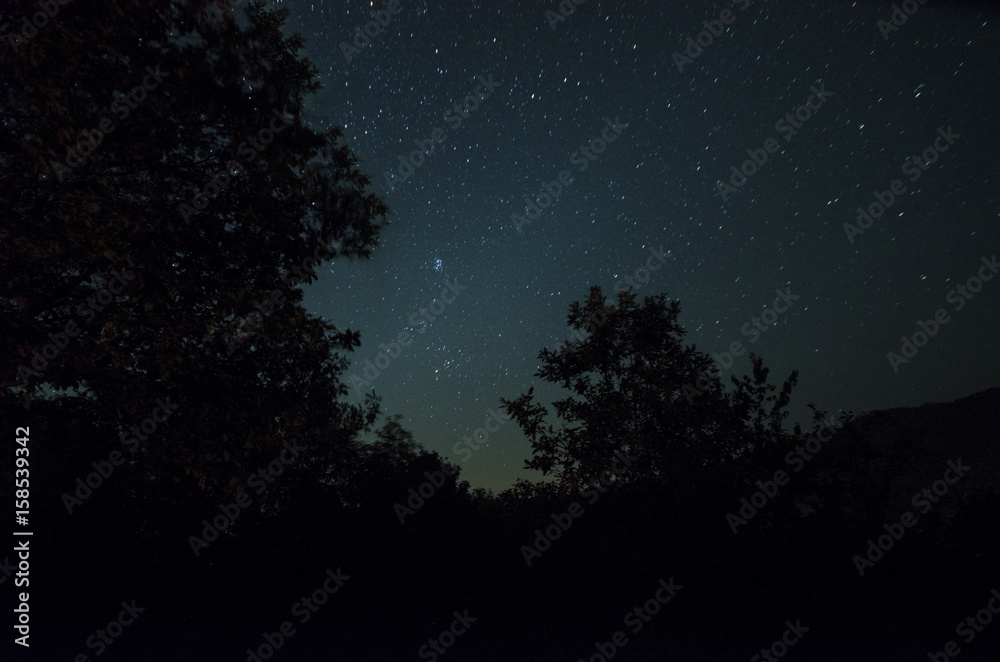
x=550, y=92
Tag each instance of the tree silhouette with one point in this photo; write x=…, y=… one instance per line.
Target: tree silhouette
x=164, y=202
x=636, y=388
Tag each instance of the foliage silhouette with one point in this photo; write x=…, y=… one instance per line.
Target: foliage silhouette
x=636, y=388
x=164, y=200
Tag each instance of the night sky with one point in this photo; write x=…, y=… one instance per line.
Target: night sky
x=885, y=93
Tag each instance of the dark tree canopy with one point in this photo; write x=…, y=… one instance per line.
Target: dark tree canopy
x=163, y=203
x=635, y=387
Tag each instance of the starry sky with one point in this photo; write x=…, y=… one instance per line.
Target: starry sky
x=544, y=89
